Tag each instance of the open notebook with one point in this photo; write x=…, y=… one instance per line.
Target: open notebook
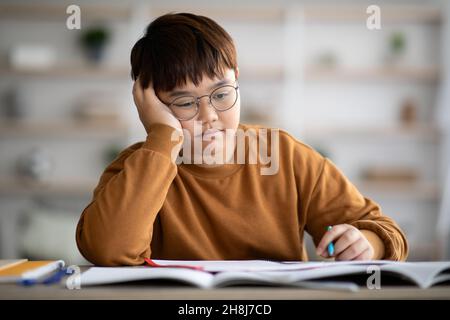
x=212, y=274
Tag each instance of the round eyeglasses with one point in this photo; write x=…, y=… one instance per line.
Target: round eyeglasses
x=222, y=99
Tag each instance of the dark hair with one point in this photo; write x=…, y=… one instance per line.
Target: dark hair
x=181, y=47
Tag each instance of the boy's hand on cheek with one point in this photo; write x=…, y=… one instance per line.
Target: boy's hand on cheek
x=151, y=110
x=349, y=244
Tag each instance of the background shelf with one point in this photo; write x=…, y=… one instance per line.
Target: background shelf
x=62, y=128
x=391, y=13
x=90, y=12
x=349, y=108
x=74, y=187
x=428, y=74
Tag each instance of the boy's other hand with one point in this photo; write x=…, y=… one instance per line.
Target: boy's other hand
x=349, y=244
x=151, y=110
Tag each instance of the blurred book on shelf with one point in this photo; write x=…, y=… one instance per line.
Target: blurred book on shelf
x=99, y=106
x=257, y=117
x=390, y=174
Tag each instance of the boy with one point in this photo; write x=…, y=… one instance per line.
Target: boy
x=149, y=204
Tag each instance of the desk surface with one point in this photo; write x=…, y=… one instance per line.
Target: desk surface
x=164, y=291
x=176, y=292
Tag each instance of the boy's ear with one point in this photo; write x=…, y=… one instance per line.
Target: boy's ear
x=236, y=72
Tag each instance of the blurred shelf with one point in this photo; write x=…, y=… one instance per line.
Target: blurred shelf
x=51, y=188
x=418, y=131
x=400, y=190
x=389, y=13
x=275, y=73
x=246, y=72
x=49, y=12
x=424, y=252
x=245, y=13
x=62, y=128
x=426, y=74
x=70, y=72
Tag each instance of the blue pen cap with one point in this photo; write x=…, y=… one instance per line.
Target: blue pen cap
x=330, y=247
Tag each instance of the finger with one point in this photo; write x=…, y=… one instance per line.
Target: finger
x=346, y=240
x=353, y=251
x=149, y=93
x=365, y=255
x=150, y=96
x=330, y=236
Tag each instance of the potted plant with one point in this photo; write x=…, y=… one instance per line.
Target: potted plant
x=397, y=48
x=93, y=41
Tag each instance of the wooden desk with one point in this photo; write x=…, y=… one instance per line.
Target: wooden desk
x=175, y=292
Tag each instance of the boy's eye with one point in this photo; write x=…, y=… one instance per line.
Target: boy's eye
x=184, y=104
x=220, y=95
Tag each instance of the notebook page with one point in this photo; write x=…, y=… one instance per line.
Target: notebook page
x=101, y=275
x=422, y=273
x=261, y=265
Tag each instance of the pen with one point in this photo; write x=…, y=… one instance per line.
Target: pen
x=151, y=263
x=52, y=278
x=56, y=277
x=330, y=246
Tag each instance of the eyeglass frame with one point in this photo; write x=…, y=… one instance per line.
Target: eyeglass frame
x=197, y=101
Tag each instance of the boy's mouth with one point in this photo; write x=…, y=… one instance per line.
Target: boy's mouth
x=208, y=134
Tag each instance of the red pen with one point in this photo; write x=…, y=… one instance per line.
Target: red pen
x=151, y=263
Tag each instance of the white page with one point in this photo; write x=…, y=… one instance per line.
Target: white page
x=287, y=277
x=296, y=278
x=424, y=274
x=100, y=275
x=441, y=278
x=262, y=265
x=261, y=272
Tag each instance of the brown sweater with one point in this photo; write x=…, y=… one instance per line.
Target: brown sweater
x=147, y=206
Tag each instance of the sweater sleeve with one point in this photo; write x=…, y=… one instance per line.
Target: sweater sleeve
x=331, y=199
x=116, y=227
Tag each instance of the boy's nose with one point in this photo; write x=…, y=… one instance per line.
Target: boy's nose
x=206, y=113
